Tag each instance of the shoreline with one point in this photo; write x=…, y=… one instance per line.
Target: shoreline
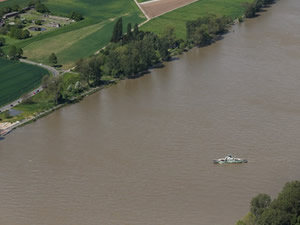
x=94, y=90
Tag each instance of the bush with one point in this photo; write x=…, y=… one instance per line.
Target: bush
x=75, y=16
x=41, y=8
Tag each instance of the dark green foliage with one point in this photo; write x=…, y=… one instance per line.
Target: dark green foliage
x=18, y=33
x=6, y=10
x=90, y=69
x=128, y=37
x=4, y=30
x=118, y=31
x=75, y=16
x=1, y=52
x=12, y=53
x=33, y=3
x=53, y=59
x=16, y=8
x=2, y=41
x=205, y=30
x=15, y=53
x=274, y=217
x=252, y=8
x=41, y=8
x=259, y=204
x=25, y=34
x=38, y=22
x=135, y=33
x=284, y=210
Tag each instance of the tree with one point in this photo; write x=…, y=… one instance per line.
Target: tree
x=250, y=10
x=90, y=69
x=136, y=32
x=16, y=8
x=117, y=31
x=75, y=16
x=129, y=32
x=2, y=41
x=259, y=204
x=25, y=34
x=1, y=52
x=54, y=89
x=12, y=52
x=169, y=34
x=41, y=8
x=16, y=33
x=19, y=52
x=163, y=49
x=45, y=81
x=53, y=59
x=284, y=210
x=274, y=217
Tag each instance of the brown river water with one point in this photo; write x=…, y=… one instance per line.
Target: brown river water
x=140, y=152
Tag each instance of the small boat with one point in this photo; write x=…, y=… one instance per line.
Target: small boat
x=229, y=159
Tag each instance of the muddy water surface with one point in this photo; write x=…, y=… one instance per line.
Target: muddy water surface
x=140, y=153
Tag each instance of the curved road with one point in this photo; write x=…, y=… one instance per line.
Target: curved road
x=30, y=94
x=49, y=68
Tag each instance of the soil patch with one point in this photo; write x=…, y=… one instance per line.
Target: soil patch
x=159, y=7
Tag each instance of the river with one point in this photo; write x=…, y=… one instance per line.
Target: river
x=140, y=152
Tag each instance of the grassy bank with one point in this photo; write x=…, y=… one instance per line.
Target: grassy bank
x=44, y=101
x=18, y=78
x=179, y=17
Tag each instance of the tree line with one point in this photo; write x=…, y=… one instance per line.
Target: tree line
x=254, y=7
x=283, y=210
x=132, y=53
x=14, y=53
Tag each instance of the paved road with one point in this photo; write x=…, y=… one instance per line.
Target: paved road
x=30, y=94
x=49, y=68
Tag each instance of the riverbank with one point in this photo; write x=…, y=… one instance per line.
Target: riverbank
x=140, y=151
x=174, y=47
x=12, y=123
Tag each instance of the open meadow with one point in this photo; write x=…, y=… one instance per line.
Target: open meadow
x=179, y=17
x=17, y=78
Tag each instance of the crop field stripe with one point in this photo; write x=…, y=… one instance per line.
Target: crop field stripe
x=179, y=17
x=18, y=78
x=67, y=47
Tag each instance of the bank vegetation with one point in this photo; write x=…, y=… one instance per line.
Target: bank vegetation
x=283, y=210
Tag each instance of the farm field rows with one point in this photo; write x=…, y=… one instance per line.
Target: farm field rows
x=179, y=17
x=17, y=78
x=81, y=39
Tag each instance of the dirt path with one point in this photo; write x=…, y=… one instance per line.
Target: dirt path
x=157, y=8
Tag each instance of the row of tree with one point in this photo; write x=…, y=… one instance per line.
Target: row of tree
x=42, y=8
x=128, y=54
x=14, y=53
x=254, y=7
x=19, y=33
x=205, y=30
x=284, y=210
x=134, y=52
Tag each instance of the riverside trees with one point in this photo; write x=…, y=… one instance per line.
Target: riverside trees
x=133, y=53
x=205, y=30
x=284, y=210
x=253, y=8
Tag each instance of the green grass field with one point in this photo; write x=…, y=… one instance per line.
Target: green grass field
x=18, y=78
x=83, y=38
x=178, y=18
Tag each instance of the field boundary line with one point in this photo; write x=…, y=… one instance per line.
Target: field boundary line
x=147, y=17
